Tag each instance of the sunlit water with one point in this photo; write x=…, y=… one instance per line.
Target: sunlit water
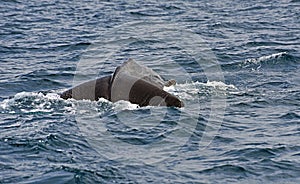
x=250, y=109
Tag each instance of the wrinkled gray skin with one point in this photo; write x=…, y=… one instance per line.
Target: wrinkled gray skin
x=130, y=81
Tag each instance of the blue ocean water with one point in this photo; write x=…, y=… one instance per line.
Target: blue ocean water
x=237, y=68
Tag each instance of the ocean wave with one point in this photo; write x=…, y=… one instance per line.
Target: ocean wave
x=33, y=102
x=197, y=85
x=290, y=116
x=46, y=102
x=191, y=91
x=279, y=61
x=219, y=85
x=229, y=169
x=266, y=58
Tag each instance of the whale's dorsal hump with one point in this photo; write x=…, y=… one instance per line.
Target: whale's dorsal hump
x=131, y=68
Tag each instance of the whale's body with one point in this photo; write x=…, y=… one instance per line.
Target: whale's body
x=131, y=82
x=91, y=90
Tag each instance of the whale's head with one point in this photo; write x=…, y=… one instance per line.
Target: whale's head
x=173, y=101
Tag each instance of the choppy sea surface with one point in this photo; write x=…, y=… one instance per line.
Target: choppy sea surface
x=237, y=68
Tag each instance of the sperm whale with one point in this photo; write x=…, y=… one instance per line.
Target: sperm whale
x=131, y=82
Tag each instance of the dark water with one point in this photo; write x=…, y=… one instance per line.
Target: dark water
x=241, y=123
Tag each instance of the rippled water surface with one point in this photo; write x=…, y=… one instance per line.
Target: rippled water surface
x=237, y=68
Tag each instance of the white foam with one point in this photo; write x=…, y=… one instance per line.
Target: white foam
x=4, y=104
x=49, y=96
x=265, y=58
x=194, y=87
x=43, y=102
x=38, y=102
x=124, y=105
x=189, y=91
x=220, y=85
